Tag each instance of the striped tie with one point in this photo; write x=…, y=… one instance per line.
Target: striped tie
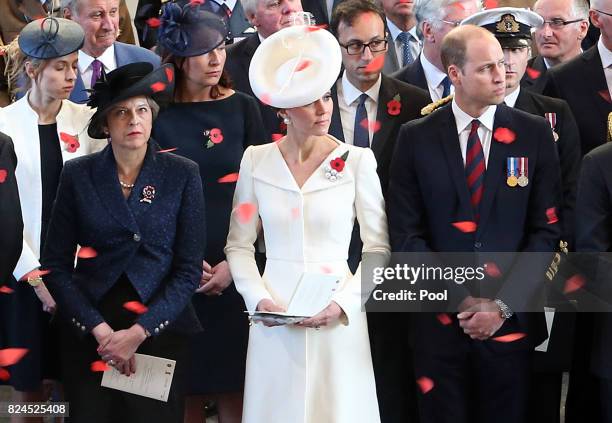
x=475, y=167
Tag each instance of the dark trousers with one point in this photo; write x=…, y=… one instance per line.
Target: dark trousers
x=91, y=403
x=605, y=389
x=474, y=385
x=545, y=398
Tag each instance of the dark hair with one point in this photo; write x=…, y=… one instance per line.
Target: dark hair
x=100, y=122
x=225, y=81
x=347, y=11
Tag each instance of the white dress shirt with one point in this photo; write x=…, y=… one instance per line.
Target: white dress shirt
x=434, y=78
x=606, y=61
x=415, y=43
x=108, y=61
x=348, y=100
x=510, y=99
x=485, y=130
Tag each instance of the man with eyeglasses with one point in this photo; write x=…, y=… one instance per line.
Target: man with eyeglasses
x=566, y=23
x=369, y=110
x=435, y=18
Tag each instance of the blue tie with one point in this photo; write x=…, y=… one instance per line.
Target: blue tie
x=361, y=137
x=446, y=84
x=404, y=38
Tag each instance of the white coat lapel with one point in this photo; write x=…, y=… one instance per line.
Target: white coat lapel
x=272, y=169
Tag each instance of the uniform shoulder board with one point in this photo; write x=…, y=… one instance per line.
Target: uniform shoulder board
x=435, y=105
x=610, y=127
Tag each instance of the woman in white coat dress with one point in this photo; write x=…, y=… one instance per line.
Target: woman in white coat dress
x=319, y=370
x=47, y=129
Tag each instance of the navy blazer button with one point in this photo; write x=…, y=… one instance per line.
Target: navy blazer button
x=477, y=244
x=73, y=320
x=137, y=237
x=161, y=325
x=166, y=323
x=83, y=328
x=156, y=330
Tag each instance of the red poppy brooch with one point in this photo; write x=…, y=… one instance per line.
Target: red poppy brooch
x=71, y=142
x=394, y=106
x=214, y=136
x=333, y=170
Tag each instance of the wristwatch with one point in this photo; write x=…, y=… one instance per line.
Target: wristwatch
x=35, y=281
x=504, y=310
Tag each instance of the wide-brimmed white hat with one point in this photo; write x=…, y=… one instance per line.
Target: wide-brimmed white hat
x=295, y=66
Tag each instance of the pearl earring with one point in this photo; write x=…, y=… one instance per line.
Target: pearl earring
x=286, y=120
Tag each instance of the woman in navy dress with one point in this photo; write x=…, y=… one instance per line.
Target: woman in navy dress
x=212, y=125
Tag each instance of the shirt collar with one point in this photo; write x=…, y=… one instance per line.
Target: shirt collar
x=604, y=53
x=510, y=99
x=463, y=120
x=432, y=73
x=106, y=58
x=350, y=93
x=395, y=31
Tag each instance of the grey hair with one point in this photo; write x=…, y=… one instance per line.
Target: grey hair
x=433, y=10
x=249, y=6
x=70, y=5
x=579, y=8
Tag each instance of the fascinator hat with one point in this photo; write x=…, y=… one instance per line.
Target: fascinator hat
x=295, y=66
x=193, y=28
x=133, y=80
x=50, y=37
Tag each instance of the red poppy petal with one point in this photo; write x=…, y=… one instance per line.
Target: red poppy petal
x=10, y=356
x=605, y=94
x=466, y=226
x=68, y=138
x=533, y=73
x=35, y=274
x=425, y=384
x=371, y=125
x=295, y=212
x=3, y=175
x=313, y=28
x=551, y=215
x=277, y=137
x=245, y=212
x=169, y=74
x=158, y=86
x=375, y=65
x=511, y=337
x=168, y=150
x=87, y=253
x=196, y=2
x=303, y=65
x=490, y=4
x=265, y=99
x=326, y=269
x=99, y=366
x=4, y=375
x=504, y=135
x=574, y=284
x=153, y=22
x=492, y=270
x=135, y=307
x=230, y=177
x=6, y=290
x=444, y=318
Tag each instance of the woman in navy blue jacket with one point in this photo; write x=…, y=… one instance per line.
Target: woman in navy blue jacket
x=137, y=214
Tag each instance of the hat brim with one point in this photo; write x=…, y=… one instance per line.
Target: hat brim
x=514, y=42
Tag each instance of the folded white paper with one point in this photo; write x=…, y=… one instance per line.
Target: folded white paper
x=153, y=378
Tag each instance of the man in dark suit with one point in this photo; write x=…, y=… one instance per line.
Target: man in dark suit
x=558, y=40
x=435, y=19
x=475, y=378
x=101, y=51
x=267, y=20
x=368, y=110
x=404, y=43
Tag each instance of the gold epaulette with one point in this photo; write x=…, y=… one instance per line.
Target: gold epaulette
x=436, y=104
x=610, y=127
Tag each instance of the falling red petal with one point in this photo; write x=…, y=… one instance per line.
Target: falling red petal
x=158, y=86
x=444, y=318
x=277, y=137
x=295, y=212
x=153, y=22
x=10, y=356
x=533, y=73
x=511, y=337
x=168, y=150
x=196, y=2
x=466, y=226
x=230, y=177
x=573, y=284
x=371, y=125
x=303, y=65
x=504, y=135
x=490, y=4
x=4, y=375
x=605, y=94
x=99, y=366
x=245, y=212
x=135, y=307
x=265, y=99
x=458, y=5
x=492, y=270
x=326, y=269
x=6, y=290
x=551, y=215
x=3, y=175
x=376, y=64
x=425, y=384
x=87, y=253
x=169, y=74
x=35, y=274
x=313, y=28
x=67, y=138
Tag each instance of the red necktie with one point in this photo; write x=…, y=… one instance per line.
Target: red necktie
x=475, y=167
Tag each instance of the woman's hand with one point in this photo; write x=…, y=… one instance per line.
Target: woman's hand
x=122, y=346
x=269, y=305
x=329, y=315
x=43, y=294
x=102, y=333
x=215, y=280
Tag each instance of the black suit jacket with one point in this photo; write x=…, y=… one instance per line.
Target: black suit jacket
x=582, y=83
x=594, y=235
x=11, y=224
x=159, y=245
x=413, y=74
x=537, y=83
x=413, y=100
x=568, y=148
x=318, y=8
x=428, y=192
x=239, y=57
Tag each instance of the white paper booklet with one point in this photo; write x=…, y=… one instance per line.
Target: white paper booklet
x=153, y=378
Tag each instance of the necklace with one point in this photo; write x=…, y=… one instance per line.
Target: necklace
x=125, y=186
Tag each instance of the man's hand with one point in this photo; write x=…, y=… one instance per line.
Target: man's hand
x=481, y=320
x=215, y=280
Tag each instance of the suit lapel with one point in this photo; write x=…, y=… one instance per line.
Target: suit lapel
x=335, y=127
x=391, y=64
x=386, y=93
x=595, y=79
x=151, y=176
x=524, y=102
x=78, y=94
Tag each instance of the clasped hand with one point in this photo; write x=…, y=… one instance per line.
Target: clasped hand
x=479, y=318
x=327, y=316
x=118, y=348
x=215, y=279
